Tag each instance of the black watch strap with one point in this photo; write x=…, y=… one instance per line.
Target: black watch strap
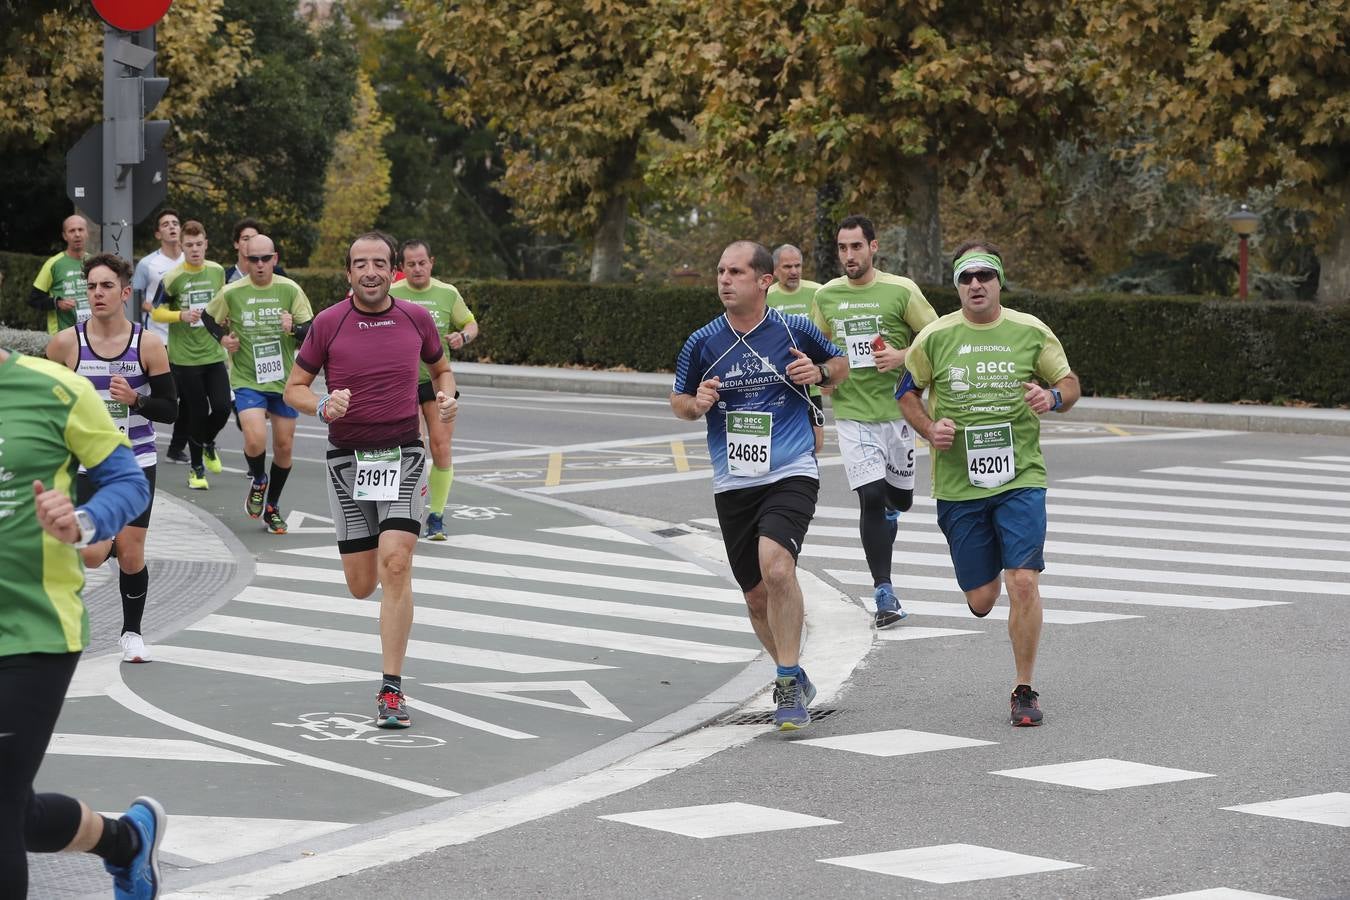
x=824, y=373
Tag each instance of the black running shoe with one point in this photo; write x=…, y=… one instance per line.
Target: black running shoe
x=177, y=456
x=1026, y=706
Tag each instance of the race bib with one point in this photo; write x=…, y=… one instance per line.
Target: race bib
x=119, y=413
x=749, y=442
x=197, y=300
x=858, y=337
x=82, y=310
x=267, y=364
x=377, y=473
x=989, y=455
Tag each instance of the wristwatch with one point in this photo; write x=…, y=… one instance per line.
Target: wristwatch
x=1059, y=400
x=824, y=374
x=87, y=528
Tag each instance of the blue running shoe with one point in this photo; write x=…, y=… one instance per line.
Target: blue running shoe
x=435, y=527
x=888, y=608
x=791, y=713
x=808, y=689
x=140, y=879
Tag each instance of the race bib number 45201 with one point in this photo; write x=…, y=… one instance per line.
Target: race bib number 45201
x=749, y=443
x=989, y=455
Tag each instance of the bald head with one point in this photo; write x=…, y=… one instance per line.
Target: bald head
x=261, y=255
x=75, y=230
x=787, y=267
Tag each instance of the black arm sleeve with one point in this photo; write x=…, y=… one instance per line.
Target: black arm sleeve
x=299, y=330
x=212, y=326
x=162, y=404
x=41, y=300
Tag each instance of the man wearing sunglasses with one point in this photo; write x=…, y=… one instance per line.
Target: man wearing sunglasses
x=980, y=365
x=872, y=316
x=266, y=316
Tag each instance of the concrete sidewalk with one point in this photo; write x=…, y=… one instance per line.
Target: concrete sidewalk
x=1106, y=410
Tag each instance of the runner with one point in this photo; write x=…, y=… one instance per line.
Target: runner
x=267, y=316
x=368, y=347
x=197, y=360
x=791, y=295
x=747, y=372
x=129, y=368
x=873, y=315
x=59, y=288
x=458, y=327
x=983, y=422
x=50, y=421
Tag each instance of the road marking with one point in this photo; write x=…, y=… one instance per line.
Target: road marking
x=531, y=599
x=951, y=863
x=1114, y=429
x=420, y=706
x=1213, y=487
x=1324, y=809
x=1281, y=478
x=557, y=576
x=528, y=452
x=919, y=632
x=718, y=820
x=1102, y=774
x=678, y=455
x=961, y=611
x=451, y=654
x=896, y=742
x=1325, y=465
x=147, y=748
x=593, y=703
x=596, y=533
x=516, y=628
x=1066, y=592
x=484, y=543
x=554, y=473
x=292, y=670
x=213, y=839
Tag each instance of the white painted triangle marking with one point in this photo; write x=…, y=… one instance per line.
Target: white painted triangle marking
x=292, y=670
x=593, y=703
x=595, y=533
x=295, y=523
x=172, y=749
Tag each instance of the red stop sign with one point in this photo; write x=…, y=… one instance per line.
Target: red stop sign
x=131, y=15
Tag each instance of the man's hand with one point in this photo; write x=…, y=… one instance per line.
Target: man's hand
x=148, y=305
x=888, y=358
x=942, y=434
x=191, y=316
x=1038, y=398
x=56, y=514
x=121, y=391
x=802, y=370
x=447, y=406
x=230, y=342
x=456, y=340
x=65, y=305
x=337, y=404
x=287, y=322
x=707, y=395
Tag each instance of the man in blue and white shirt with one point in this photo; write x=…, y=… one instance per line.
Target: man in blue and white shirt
x=748, y=371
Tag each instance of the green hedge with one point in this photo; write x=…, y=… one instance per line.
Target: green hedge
x=1177, y=348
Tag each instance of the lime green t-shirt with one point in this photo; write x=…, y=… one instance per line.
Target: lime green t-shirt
x=796, y=303
x=51, y=420
x=446, y=306
x=266, y=353
x=888, y=305
x=62, y=277
x=974, y=375
x=188, y=287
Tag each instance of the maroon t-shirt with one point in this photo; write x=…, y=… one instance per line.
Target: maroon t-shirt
x=373, y=355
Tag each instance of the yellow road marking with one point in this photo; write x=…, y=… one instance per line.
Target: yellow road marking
x=554, y=475
x=677, y=451
x=1114, y=430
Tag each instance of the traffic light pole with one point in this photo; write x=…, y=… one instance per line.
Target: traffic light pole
x=117, y=185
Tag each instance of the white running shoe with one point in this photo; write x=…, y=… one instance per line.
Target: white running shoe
x=133, y=648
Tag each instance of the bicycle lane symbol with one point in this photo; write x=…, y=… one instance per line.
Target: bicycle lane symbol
x=329, y=726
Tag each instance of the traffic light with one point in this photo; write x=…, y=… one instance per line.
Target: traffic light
x=133, y=96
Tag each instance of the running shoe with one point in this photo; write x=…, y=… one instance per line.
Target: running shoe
x=211, y=458
x=1026, y=706
x=391, y=711
x=435, y=527
x=197, y=479
x=177, y=456
x=133, y=648
x=888, y=608
x=808, y=689
x=257, y=496
x=140, y=879
x=275, y=523
x=790, y=699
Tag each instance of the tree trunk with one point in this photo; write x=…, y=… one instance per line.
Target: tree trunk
x=923, y=238
x=1333, y=285
x=825, y=254
x=607, y=254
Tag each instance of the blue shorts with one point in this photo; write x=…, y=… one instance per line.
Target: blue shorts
x=986, y=536
x=247, y=398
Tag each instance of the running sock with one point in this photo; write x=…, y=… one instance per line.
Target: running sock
x=789, y=671
x=884, y=584
x=119, y=842
x=276, y=482
x=195, y=453
x=257, y=466
x=134, y=587
x=392, y=683
x=439, y=487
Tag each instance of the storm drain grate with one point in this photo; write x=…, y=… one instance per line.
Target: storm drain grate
x=672, y=532
x=766, y=718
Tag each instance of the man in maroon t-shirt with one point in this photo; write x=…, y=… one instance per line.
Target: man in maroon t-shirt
x=367, y=347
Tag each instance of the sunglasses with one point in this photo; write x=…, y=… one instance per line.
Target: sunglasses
x=260, y=259
x=984, y=275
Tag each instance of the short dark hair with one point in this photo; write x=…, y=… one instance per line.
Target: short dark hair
x=246, y=222
x=868, y=229
x=121, y=268
x=375, y=236
x=968, y=246
x=166, y=211
x=193, y=227
x=761, y=260
x=411, y=243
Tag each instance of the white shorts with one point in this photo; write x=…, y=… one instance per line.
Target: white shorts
x=876, y=450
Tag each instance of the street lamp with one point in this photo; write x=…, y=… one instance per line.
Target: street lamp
x=1244, y=223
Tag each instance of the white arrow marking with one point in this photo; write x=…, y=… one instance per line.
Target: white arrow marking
x=593, y=703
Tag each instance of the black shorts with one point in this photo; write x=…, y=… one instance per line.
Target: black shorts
x=84, y=489
x=781, y=511
x=426, y=392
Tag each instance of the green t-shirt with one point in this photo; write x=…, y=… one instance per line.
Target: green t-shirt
x=266, y=353
x=446, y=306
x=62, y=277
x=796, y=303
x=974, y=375
x=191, y=344
x=51, y=420
x=888, y=305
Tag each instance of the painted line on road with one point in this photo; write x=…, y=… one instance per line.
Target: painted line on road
x=1326, y=464
x=1281, y=478
x=148, y=748
x=292, y=670
x=677, y=453
x=528, y=452
x=961, y=611
x=484, y=543
x=1214, y=487
x=554, y=473
x=596, y=533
